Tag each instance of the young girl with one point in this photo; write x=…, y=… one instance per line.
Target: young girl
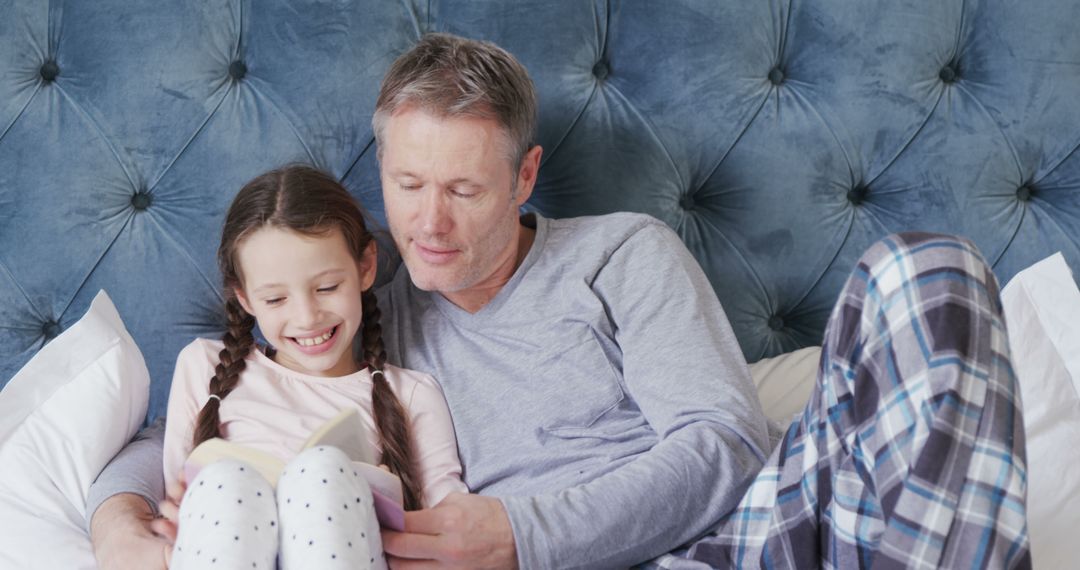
x=297, y=259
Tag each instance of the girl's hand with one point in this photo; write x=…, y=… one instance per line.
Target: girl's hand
x=169, y=522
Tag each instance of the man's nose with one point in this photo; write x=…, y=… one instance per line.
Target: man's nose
x=435, y=213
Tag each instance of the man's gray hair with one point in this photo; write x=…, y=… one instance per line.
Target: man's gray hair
x=451, y=76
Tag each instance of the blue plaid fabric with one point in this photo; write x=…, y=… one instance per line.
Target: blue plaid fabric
x=910, y=453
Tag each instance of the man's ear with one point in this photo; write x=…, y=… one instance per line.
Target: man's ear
x=368, y=266
x=530, y=167
x=243, y=300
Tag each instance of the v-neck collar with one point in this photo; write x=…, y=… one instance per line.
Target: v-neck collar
x=457, y=314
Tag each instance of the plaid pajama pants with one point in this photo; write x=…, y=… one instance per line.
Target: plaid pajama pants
x=910, y=453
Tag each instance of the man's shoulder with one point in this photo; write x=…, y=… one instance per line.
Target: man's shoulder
x=400, y=303
x=615, y=223
x=394, y=289
x=606, y=232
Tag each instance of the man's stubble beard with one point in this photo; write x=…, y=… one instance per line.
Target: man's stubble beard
x=472, y=272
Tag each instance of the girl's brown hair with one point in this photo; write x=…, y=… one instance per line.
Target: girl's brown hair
x=304, y=200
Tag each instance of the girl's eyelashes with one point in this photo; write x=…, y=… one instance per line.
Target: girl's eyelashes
x=272, y=301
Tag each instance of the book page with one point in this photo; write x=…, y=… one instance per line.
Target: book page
x=347, y=432
x=387, y=493
x=216, y=449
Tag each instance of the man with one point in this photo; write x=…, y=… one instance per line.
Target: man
x=604, y=413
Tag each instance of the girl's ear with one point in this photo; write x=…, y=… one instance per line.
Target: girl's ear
x=368, y=266
x=243, y=300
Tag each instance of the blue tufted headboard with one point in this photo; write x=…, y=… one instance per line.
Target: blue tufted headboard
x=778, y=138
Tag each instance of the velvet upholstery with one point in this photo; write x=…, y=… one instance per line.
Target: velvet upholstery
x=779, y=139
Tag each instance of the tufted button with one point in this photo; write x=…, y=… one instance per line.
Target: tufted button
x=49, y=70
x=776, y=75
x=237, y=70
x=1024, y=193
x=857, y=194
x=687, y=202
x=776, y=322
x=948, y=73
x=50, y=329
x=601, y=70
x=141, y=200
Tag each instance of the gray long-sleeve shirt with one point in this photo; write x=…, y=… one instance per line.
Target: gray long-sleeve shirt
x=601, y=395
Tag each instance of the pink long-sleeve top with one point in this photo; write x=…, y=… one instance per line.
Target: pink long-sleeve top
x=275, y=409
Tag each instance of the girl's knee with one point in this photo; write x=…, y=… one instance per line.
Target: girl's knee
x=321, y=456
x=228, y=518
x=327, y=513
x=324, y=466
x=231, y=474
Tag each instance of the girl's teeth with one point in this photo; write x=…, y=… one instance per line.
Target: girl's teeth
x=317, y=340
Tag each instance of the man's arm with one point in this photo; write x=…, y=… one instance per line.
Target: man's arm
x=683, y=368
x=122, y=502
x=136, y=470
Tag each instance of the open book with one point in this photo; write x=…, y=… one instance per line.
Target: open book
x=345, y=432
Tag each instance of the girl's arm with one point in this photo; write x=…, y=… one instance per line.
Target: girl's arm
x=433, y=441
x=190, y=388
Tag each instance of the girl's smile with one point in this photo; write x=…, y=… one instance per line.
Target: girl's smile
x=318, y=343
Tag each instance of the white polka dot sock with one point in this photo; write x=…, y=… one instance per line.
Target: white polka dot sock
x=228, y=519
x=326, y=513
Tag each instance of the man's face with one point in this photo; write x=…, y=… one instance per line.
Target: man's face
x=447, y=189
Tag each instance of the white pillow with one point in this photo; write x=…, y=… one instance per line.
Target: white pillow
x=1042, y=312
x=784, y=383
x=62, y=418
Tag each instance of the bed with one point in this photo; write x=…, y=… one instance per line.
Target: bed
x=778, y=139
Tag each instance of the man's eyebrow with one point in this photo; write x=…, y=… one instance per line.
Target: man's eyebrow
x=460, y=181
x=321, y=274
x=464, y=182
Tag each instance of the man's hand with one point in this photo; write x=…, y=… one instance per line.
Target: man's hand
x=168, y=525
x=123, y=538
x=463, y=531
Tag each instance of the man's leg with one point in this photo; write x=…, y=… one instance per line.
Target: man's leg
x=911, y=450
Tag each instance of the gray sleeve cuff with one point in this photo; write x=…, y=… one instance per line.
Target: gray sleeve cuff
x=136, y=469
x=534, y=550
